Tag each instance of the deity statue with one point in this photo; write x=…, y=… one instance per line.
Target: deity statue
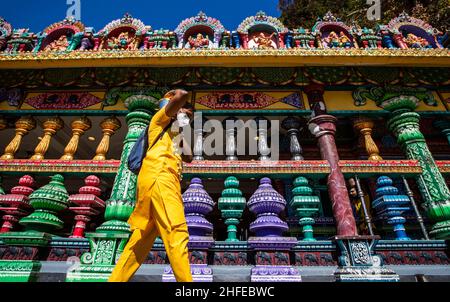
x=332, y=40
x=344, y=41
x=123, y=41
x=263, y=41
x=199, y=42
x=60, y=44
x=414, y=41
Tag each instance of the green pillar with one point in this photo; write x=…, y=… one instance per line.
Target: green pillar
x=123, y=196
x=404, y=123
x=109, y=239
x=232, y=204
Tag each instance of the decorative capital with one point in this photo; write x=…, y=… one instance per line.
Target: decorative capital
x=322, y=124
x=110, y=124
x=81, y=124
x=142, y=102
x=392, y=98
x=292, y=122
x=26, y=123
x=362, y=123
x=53, y=123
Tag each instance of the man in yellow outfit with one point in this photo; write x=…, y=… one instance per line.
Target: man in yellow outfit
x=159, y=208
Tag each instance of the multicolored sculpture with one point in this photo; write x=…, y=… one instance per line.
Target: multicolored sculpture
x=391, y=204
x=409, y=32
x=203, y=33
x=21, y=40
x=159, y=39
x=367, y=37
x=122, y=34
x=331, y=32
x=5, y=32
x=232, y=204
x=261, y=32
x=61, y=36
x=302, y=38
x=199, y=32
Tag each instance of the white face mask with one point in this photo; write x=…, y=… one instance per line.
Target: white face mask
x=183, y=119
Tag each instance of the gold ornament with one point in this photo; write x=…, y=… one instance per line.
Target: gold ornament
x=109, y=126
x=51, y=126
x=23, y=126
x=79, y=126
x=365, y=126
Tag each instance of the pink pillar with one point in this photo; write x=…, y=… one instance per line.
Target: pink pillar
x=80, y=226
x=323, y=127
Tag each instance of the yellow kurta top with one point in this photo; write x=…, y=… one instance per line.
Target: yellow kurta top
x=162, y=164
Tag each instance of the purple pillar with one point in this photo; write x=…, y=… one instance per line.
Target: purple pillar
x=323, y=127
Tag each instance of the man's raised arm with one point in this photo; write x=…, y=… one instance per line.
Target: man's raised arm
x=176, y=102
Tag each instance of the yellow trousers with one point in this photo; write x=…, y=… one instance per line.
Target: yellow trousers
x=159, y=211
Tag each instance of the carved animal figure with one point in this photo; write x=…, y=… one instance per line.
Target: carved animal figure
x=312, y=259
x=281, y=258
x=263, y=258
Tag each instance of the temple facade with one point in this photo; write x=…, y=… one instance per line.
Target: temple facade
x=357, y=190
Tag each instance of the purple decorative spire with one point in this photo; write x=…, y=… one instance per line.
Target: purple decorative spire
x=197, y=203
x=267, y=203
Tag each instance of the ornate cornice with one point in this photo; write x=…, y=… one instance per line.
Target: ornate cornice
x=229, y=58
x=220, y=169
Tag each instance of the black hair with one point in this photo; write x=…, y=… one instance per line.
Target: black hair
x=188, y=105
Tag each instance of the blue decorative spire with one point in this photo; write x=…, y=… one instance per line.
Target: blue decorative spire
x=390, y=204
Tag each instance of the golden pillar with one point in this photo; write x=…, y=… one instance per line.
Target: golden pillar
x=364, y=126
x=109, y=126
x=23, y=126
x=51, y=126
x=79, y=126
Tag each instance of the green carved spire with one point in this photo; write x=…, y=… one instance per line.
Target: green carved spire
x=231, y=204
x=405, y=124
x=306, y=206
x=47, y=202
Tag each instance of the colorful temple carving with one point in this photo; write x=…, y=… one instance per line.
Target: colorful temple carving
x=360, y=118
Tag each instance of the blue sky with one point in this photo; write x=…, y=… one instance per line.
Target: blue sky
x=38, y=14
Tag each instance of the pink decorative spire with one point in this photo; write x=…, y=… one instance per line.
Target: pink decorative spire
x=87, y=204
x=16, y=204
